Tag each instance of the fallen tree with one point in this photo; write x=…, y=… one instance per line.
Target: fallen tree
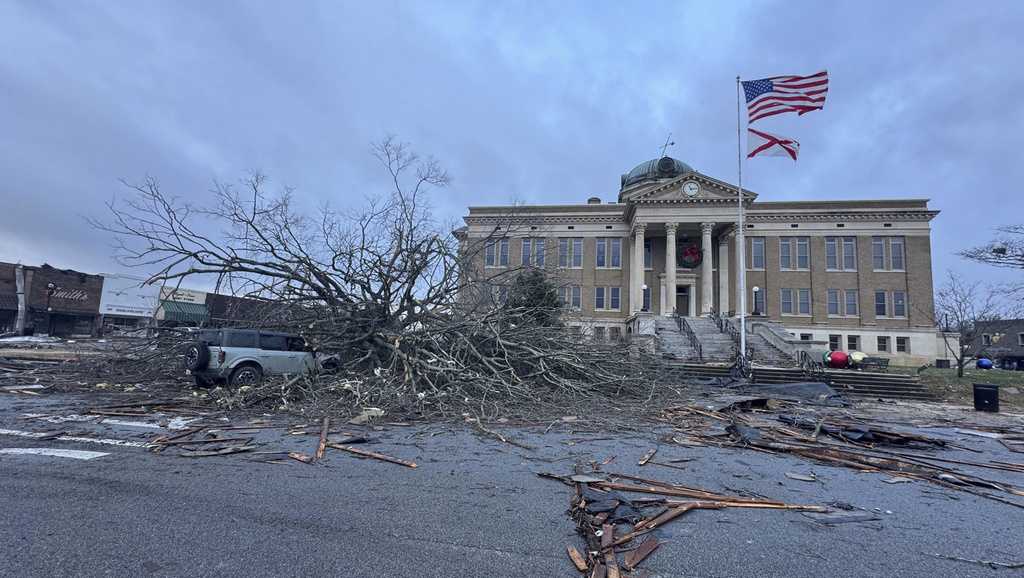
x=387, y=288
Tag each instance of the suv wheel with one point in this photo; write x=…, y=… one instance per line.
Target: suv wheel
x=197, y=357
x=202, y=381
x=247, y=374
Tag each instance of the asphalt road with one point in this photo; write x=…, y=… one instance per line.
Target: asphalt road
x=473, y=507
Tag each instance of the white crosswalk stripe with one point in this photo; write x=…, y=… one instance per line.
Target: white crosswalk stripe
x=54, y=452
x=87, y=440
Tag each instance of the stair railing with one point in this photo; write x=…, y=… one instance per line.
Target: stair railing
x=811, y=367
x=685, y=329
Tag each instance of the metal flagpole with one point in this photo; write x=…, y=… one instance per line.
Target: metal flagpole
x=741, y=260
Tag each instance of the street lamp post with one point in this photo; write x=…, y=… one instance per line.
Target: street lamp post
x=50, y=290
x=757, y=309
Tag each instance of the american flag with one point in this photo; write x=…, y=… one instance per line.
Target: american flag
x=772, y=145
x=779, y=94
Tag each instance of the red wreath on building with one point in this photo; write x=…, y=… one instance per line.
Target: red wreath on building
x=690, y=256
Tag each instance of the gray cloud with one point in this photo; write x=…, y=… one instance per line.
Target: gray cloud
x=519, y=101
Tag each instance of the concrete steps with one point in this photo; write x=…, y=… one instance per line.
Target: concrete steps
x=854, y=383
x=715, y=345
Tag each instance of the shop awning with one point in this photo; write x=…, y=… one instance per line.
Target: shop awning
x=184, y=312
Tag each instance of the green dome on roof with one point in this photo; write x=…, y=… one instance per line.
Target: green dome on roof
x=654, y=169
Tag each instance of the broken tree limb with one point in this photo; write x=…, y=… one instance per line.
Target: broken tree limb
x=369, y=454
x=500, y=437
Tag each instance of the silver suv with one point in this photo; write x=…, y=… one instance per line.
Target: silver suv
x=245, y=356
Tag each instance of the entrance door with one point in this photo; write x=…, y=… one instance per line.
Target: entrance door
x=683, y=300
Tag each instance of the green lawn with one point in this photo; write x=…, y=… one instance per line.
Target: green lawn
x=945, y=384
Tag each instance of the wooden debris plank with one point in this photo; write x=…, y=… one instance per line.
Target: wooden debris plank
x=611, y=562
x=577, y=559
x=634, y=557
x=205, y=441
x=647, y=457
x=322, y=446
x=662, y=519
x=369, y=454
x=301, y=457
x=220, y=452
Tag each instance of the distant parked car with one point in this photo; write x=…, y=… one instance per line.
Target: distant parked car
x=244, y=356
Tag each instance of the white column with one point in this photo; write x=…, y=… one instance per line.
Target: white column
x=707, y=282
x=636, y=270
x=661, y=292
x=723, y=272
x=670, y=270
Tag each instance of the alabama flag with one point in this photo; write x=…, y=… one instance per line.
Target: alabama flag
x=764, y=143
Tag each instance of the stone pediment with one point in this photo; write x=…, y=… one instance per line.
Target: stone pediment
x=706, y=190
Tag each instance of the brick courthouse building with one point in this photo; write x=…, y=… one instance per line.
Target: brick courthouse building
x=848, y=275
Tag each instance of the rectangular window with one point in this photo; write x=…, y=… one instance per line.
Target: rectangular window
x=273, y=342
x=835, y=342
x=786, y=301
x=831, y=253
x=599, y=333
x=240, y=339
x=599, y=301
x=883, y=344
x=533, y=252
x=896, y=252
x=609, y=253
x=849, y=254
x=806, y=337
x=490, y=254
x=803, y=253
x=527, y=258
x=648, y=254
x=757, y=252
x=902, y=345
x=986, y=339
x=570, y=252
x=1020, y=339
x=852, y=301
x=615, y=302
x=899, y=304
x=570, y=296
x=878, y=253
x=853, y=342
x=794, y=253
x=804, y=301
x=615, y=333
x=647, y=299
x=503, y=253
x=833, y=301
x=881, y=304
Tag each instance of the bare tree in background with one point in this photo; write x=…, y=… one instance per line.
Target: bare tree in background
x=1006, y=251
x=383, y=285
x=961, y=306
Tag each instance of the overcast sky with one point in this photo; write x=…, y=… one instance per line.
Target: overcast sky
x=520, y=101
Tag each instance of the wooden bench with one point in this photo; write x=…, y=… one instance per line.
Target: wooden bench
x=875, y=363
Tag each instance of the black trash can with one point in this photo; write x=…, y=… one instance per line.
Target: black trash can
x=986, y=397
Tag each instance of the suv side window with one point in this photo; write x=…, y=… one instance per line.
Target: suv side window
x=273, y=342
x=239, y=339
x=210, y=337
x=297, y=344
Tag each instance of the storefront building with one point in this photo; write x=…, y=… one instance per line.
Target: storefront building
x=127, y=304
x=63, y=302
